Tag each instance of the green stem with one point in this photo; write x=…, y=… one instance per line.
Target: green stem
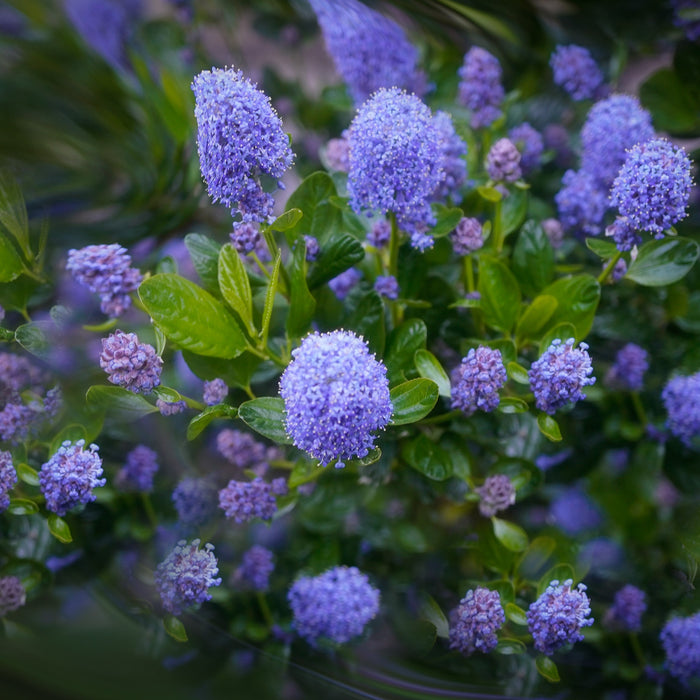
x=609, y=267
x=469, y=273
x=639, y=409
x=265, y=608
x=148, y=507
x=637, y=649
x=396, y=307
x=259, y=263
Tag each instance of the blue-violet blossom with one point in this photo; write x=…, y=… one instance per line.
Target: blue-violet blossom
x=129, y=363
x=195, y=500
x=625, y=614
x=681, y=397
x=581, y=203
x=8, y=478
x=495, y=494
x=576, y=71
x=680, y=638
x=12, y=594
x=631, y=362
x=477, y=380
x=138, y=471
x=254, y=572
x=215, y=391
x=480, y=88
x=475, y=622
x=246, y=500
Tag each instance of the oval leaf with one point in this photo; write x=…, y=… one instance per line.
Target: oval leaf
x=509, y=646
x=548, y=427
x=547, y=668
x=510, y=535
x=22, y=506
x=516, y=614
x=413, y=400
x=301, y=303
x=121, y=404
x=288, y=220
x=266, y=416
x=58, y=527
x=518, y=373
x=602, y=248
x=27, y=474
x=663, y=262
x=535, y=317
x=500, y=294
x=429, y=367
x=10, y=263
x=577, y=300
x=512, y=404
x=205, y=259
x=429, y=458
x=202, y=420
x=235, y=285
x=175, y=628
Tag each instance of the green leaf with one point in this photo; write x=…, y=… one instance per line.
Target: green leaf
x=288, y=220
x=13, y=216
x=270, y=300
x=510, y=535
x=514, y=210
x=548, y=427
x=432, y=612
x=447, y=220
x=429, y=367
x=34, y=339
x=547, y=668
x=191, y=317
x=401, y=347
x=11, y=265
x=667, y=97
x=490, y=194
x=22, y=506
x=562, y=331
x=536, y=316
x=27, y=474
x=516, y=614
x=601, y=247
x=266, y=416
x=367, y=320
x=321, y=218
x=577, y=300
x=500, y=294
x=428, y=458
x=518, y=373
x=72, y=432
x=508, y=646
x=533, y=259
x=560, y=572
x=663, y=262
x=413, y=400
x=337, y=254
x=205, y=258
x=301, y=304
x=174, y=627
x=536, y=557
x=120, y=403
x=235, y=285
x=210, y=413
x=58, y=527
x=512, y=404
x=236, y=372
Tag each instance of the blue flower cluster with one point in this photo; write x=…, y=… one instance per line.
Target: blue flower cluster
x=336, y=396
x=342, y=285
x=530, y=144
x=680, y=638
x=138, y=471
x=681, y=397
x=480, y=88
x=576, y=71
x=106, y=270
x=68, y=478
x=254, y=572
x=246, y=500
x=8, y=478
x=627, y=609
x=574, y=512
x=129, y=363
x=183, y=579
x=387, y=286
x=246, y=237
x=557, y=616
x=558, y=376
x=477, y=380
x=631, y=363
x=195, y=501
x=581, y=203
x=312, y=248
x=170, y=408
x=453, y=151
x=475, y=622
x=467, y=236
x=241, y=449
x=503, y=161
x=335, y=605
x=239, y=139
x=215, y=392
x=495, y=494
x=12, y=594
x=623, y=234
x=380, y=234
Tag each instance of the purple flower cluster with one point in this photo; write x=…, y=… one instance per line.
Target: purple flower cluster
x=453, y=150
x=503, y=161
x=130, y=364
x=574, y=512
x=627, y=609
x=335, y=605
x=530, y=144
x=554, y=232
x=631, y=362
x=497, y=493
x=581, y=203
x=170, y=408
x=336, y=396
x=195, y=501
x=370, y=51
x=337, y=152
x=480, y=88
x=653, y=186
x=17, y=420
x=254, y=572
x=576, y=71
x=12, y=594
x=239, y=139
x=475, y=622
x=344, y=282
x=623, y=234
x=467, y=236
x=183, y=579
x=246, y=500
x=68, y=478
x=8, y=478
x=387, y=286
x=558, y=376
x=138, y=471
x=106, y=270
x=246, y=237
x=215, y=391
x=477, y=380
x=312, y=248
x=557, y=616
x=396, y=160
x=241, y=449
x=680, y=638
x=681, y=397
x=380, y=234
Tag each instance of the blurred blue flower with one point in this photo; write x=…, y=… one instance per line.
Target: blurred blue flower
x=576, y=71
x=480, y=88
x=681, y=397
x=194, y=500
x=495, y=494
x=246, y=500
x=625, y=614
x=453, y=152
x=530, y=144
x=680, y=638
x=342, y=284
x=254, y=572
x=627, y=372
x=138, y=471
x=8, y=478
x=581, y=203
x=387, y=286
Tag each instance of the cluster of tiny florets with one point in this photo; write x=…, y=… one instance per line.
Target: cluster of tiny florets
x=631, y=363
x=453, y=151
x=497, y=493
x=681, y=397
x=183, y=579
x=477, y=380
x=139, y=470
x=576, y=71
x=254, y=572
x=475, y=622
x=68, y=478
x=342, y=284
x=468, y=236
x=336, y=397
x=129, y=363
x=574, y=512
x=581, y=203
x=625, y=236
x=653, y=186
x=170, y=408
x=335, y=605
x=194, y=500
x=680, y=638
x=239, y=139
x=480, y=88
x=530, y=144
x=380, y=234
x=625, y=614
x=106, y=270
x=558, y=376
x=244, y=501
x=246, y=237
x=557, y=616
x=503, y=161
x=312, y=248
x=241, y=449
x=387, y=286
x=215, y=391
x=8, y=478
x=12, y=594
x=337, y=154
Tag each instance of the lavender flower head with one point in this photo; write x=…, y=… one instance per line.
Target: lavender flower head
x=581, y=203
x=557, y=616
x=239, y=139
x=215, y=391
x=8, y=478
x=467, y=236
x=680, y=638
x=480, y=88
x=241, y=449
x=195, y=501
x=105, y=270
x=473, y=625
x=246, y=237
x=387, y=286
x=681, y=397
x=380, y=234
x=453, y=152
x=503, y=161
x=612, y=127
x=138, y=471
x=497, y=493
x=17, y=421
x=337, y=154
x=396, y=161
x=336, y=397
x=530, y=144
x=554, y=232
x=653, y=186
x=369, y=51
x=336, y=605
x=68, y=478
x=558, y=376
x=628, y=370
x=246, y=500
x=625, y=236
x=254, y=572
x=627, y=609
x=312, y=248
x=576, y=71
x=12, y=594
x=183, y=579
x=130, y=364
x=477, y=381
x=344, y=282
x=170, y=408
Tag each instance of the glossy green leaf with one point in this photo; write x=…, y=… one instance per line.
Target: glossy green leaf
x=13, y=216
x=514, y=210
x=34, y=338
x=321, y=218
x=367, y=320
x=562, y=331
x=490, y=194
x=507, y=646
x=210, y=413
x=58, y=527
x=22, y=506
x=72, y=432
x=11, y=265
x=288, y=220
x=429, y=367
x=577, y=300
x=547, y=668
x=517, y=373
x=302, y=303
x=191, y=317
x=447, y=220
x=510, y=535
x=663, y=262
x=533, y=259
x=235, y=285
x=512, y=404
x=413, y=400
x=516, y=614
x=401, y=346
x=167, y=264
x=174, y=627
x=427, y=457
x=27, y=474
x=270, y=299
x=536, y=557
x=432, y=612
x=602, y=247
x=266, y=416
x=339, y=253
x=205, y=258
x=500, y=294
x=119, y=403
x=536, y=317
x=548, y=427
